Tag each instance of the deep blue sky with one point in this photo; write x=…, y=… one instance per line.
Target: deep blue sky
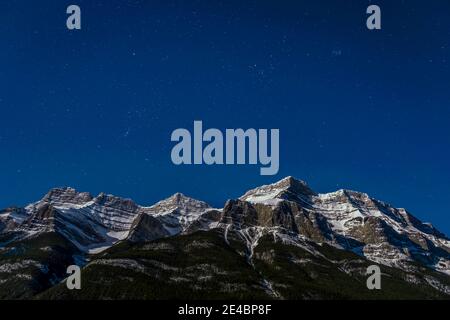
x=94, y=109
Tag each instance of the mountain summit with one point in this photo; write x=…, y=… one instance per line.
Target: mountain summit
x=285, y=189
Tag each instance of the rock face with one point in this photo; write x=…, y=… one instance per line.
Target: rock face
x=94, y=224
x=76, y=227
x=352, y=221
x=178, y=212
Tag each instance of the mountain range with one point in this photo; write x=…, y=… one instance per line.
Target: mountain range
x=277, y=241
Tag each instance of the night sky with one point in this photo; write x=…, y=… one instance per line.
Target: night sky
x=357, y=109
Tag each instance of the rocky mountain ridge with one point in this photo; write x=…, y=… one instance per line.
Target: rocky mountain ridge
x=68, y=225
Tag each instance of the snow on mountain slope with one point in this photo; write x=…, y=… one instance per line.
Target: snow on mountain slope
x=174, y=215
x=361, y=224
x=285, y=189
x=94, y=224
x=91, y=224
x=178, y=212
x=11, y=218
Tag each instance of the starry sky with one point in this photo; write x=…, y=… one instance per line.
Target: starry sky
x=357, y=109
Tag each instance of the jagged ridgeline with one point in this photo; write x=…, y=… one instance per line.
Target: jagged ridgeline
x=279, y=241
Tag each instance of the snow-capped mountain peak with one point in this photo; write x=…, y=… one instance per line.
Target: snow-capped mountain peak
x=285, y=189
x=178, y=212
x=180, y=202
x=66, y=196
